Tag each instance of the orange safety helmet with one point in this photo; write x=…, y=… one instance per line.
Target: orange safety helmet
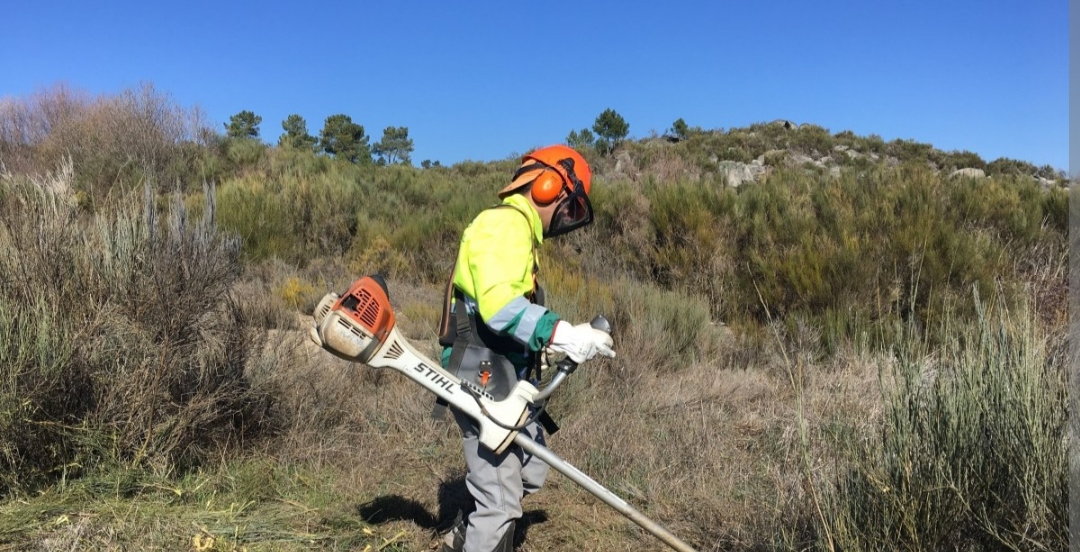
x=550, y=170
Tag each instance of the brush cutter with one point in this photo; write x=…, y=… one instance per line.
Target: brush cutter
x=359, y=326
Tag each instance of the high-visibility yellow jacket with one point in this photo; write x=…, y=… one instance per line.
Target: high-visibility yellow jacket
x=495, y=270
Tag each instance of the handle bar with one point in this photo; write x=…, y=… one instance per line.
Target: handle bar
x=567, y=366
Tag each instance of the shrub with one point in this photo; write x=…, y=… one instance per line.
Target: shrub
x=971, y=452
x=1013, y=207
x=813, y=140
x=622, y=216
x=875, y=144
x=296, y=218
x=1010, y=167
x=42, y=391
x=950, y=161
x=122, y=342
x=296, y=292
x=377, y=256
x=690, y=238
x=114, y=140
x=257, y=212
x=910, y=151
x=244, y=152
x=870, y=247
x=882, y=245
x=297, y=162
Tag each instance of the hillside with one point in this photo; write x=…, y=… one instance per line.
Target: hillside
x=825, y=341
x=748, y=154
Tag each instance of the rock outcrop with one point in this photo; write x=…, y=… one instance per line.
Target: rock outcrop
x=968, y=173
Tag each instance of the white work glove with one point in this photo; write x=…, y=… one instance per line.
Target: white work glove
x=581, y=342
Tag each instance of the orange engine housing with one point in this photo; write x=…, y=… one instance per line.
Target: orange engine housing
x=367, y=304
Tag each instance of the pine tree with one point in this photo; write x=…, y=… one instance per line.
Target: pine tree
x=611, y=129
x=296, y=134
x=344, y=139
x=243, y=125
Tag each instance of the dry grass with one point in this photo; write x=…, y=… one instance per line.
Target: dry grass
x=708, y=449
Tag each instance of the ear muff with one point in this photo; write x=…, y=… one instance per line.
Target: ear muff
x=547, y=187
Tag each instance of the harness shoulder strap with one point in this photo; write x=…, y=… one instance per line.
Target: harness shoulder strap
x=536, y=258
x=446, y=336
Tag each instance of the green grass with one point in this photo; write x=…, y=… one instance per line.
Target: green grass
x=253, y=504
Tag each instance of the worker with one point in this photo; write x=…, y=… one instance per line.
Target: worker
x=495, y=326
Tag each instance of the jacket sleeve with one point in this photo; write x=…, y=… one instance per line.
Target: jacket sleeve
x=499, y=249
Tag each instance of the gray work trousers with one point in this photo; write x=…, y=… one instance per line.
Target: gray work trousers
x=497, y=483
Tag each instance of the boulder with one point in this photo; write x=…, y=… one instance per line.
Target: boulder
x=737, y=174
x=1047, y=183
x=968, y=173
x=798, y=160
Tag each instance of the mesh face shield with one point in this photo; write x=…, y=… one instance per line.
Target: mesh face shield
x=573, y=212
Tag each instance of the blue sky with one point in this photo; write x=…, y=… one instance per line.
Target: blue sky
x=487, y=80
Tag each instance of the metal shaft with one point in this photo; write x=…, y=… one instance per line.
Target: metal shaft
x=598, y=490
